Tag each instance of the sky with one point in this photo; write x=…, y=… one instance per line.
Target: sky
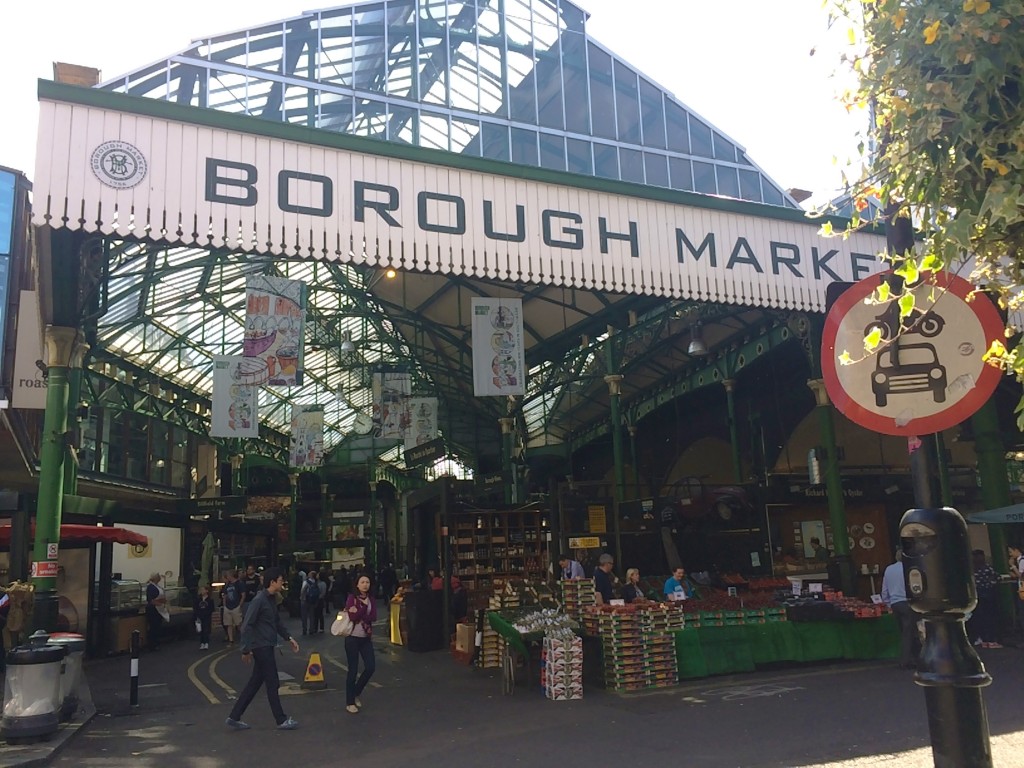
x=744, y=65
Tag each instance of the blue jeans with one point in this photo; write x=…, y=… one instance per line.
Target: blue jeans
x=308, y=619
x=354, y=648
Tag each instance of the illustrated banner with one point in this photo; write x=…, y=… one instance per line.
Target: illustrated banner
x=391, y=416
x=423, y=423
x=499, y=366
x=233, y=412
x=275, y=318
x=307, y=445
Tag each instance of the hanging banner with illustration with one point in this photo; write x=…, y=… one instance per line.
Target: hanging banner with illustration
x=499, y=367
x=233, y=412
x=391, y=390
x=307, y=446
x=275, y=315
x=423, y=422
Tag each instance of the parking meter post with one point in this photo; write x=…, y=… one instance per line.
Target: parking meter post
x=133, y=693
x=940, y=587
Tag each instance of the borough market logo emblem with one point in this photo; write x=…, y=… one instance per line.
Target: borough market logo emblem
x=118, y=164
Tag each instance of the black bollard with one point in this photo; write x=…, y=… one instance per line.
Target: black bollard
x=133, y=694
x=939, y=579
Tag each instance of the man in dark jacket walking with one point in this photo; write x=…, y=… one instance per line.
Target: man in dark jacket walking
x=260, y=631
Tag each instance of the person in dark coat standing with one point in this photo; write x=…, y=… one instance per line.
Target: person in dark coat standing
x=203, y=613
x=260, y=630
x=340, y=589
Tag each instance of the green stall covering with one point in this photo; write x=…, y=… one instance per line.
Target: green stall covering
x=705, y=651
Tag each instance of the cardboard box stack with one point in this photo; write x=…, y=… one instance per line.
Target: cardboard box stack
x=561, y=672
x=577, y=594
x=657, y=623
x=625, y=656
x=492, y=647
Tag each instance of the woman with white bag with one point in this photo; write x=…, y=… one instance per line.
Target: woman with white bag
x=361, y=609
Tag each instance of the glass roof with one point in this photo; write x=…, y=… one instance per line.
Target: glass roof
x=513, y=80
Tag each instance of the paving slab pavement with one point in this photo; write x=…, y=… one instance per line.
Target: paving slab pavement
x=427, y=709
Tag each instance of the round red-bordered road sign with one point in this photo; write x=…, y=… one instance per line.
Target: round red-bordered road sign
x=925, y=379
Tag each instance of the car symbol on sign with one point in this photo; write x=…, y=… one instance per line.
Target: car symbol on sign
x=918, y=370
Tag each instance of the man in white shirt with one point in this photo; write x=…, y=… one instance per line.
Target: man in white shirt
x=894, y=594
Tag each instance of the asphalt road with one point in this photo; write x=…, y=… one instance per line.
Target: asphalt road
x=427, y=710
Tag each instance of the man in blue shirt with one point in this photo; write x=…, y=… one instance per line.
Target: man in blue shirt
x=675, y=585
x=894, y=594
x=571, y=569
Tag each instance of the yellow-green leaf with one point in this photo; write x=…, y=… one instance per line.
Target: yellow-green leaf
x=931, y=263
x=931, y=32
x=845, y=359
x=873, y=339
x=883, y=293
x=906, y=302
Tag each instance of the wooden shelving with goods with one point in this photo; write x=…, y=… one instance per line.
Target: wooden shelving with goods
x=490, y=547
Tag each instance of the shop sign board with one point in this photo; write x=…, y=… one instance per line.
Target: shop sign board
x=45, y=569
x=425, y=453
x=125, y=167
x=585, y=542
x=925, y=379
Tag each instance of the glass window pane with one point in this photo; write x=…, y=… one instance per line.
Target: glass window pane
x=574, y=68
x=368, y=49
x=578, y=154
x=678, y=127
x=772, y=195
x=682, y=173
x=403, y=125
x=704, y=178
x=552, y=152
x=700, y=137
x=433, y=131
x=653, y=115
x=750, y=185
x=549, y=89
x=631, y=164
x=524, y=146
x=494, y=141
x=606, y=161
x=724, y=149
x=522, y=99
x=370, y=119
x=728, y=184
x=602, y=102
x=464, y=134
x=656, y=168
x=627, y=104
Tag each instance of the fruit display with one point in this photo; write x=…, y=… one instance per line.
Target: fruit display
x=577, y=594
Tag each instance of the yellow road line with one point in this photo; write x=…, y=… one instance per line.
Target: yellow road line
x=195, y=681
x=216, y=678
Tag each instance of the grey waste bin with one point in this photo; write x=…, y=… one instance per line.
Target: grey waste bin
x=32, y=695
x=72, y=681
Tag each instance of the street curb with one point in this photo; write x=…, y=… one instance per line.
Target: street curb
x=42, y=753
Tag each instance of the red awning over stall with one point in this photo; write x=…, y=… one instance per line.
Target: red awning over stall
x=85, y=533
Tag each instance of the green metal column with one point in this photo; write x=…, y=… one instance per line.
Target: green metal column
x=995, y=493
x=508, y=426
x=324, y=511
x=373, y=519
x=64, y=348
x=632, y=457
x=834, y=488
x=74, y=395
x=945, y=490
x=734, y=435
x=294, y=511
x=614, y=382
